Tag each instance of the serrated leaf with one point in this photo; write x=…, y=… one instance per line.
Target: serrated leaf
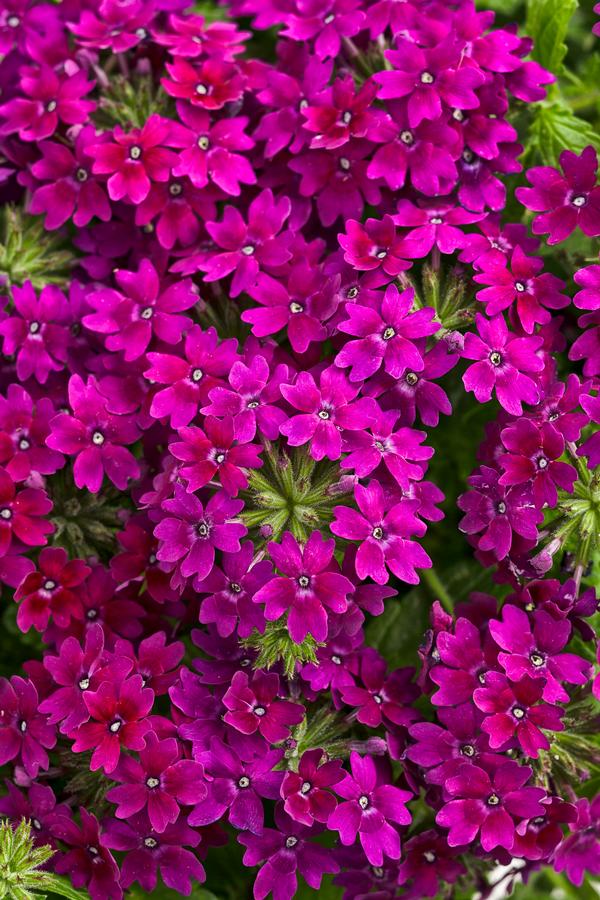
x=548, y=23
x=62, y=887
x=556, y=128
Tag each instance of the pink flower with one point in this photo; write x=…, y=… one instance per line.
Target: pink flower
x=49, y=100
x=253, y=706
x=38, y=333
x=95, y=437
x=49, y=591
x=374, y=245
x=210, y=86
x=21, y=515
x=24, y=732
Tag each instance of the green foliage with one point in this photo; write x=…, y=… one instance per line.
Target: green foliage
x=30, y=253
x=547, y=23
x=21, y=875
x=554, y=128
x=276, y=645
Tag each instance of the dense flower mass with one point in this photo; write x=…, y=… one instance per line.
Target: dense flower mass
x=251, y=263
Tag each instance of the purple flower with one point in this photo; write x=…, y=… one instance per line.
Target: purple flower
x=190, y=375
x=23, y=432
x=533, y=458
x=215, y=452
x=71, y=191
x=305, y=793
x=230, y=592
x=368, y=807
x=308, y=587
x=38, y=806
x=251, y=399
x=429, y=78
x=253, y=705
x=159, y=782
x=327, y=23
x=532, y=647
x=513, y=710
x=21, y=515
x=381, y=698
x=249, y=247
x=521, y=287
x=190, y=532
x=284, y=852
x=209, y=150
x=565, y=200
x=579, y=852
x=75, y=670
x=24, y=732
x=95, y=437
x=428, y=863
x=384, y=534
x=503, y=360
x=38, y=332
x=120, y=711
x=49, y=100
x=374, y=245
x=88, y=862
x=464, y=661
x=134, y=160
x=237, y=785
x=399, y=450
x=119, y=27
x=139, y=310
x=150, y=851
x=489, y=805
x=433, y=226
x=340, y=114
x=326, y=412
x=386, y=332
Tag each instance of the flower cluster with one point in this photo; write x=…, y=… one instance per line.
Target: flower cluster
x=215, y=447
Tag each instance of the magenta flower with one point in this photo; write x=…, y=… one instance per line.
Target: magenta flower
x=327, y=23
x=49, y=591
x=386, y=333
x=588, y=279
x=49, y=101
x=368, y=807
x=308, y=588
x=38, y=806
x=433, y=79
x=302, y=306
x=139, y=310
x=305, y=793
x=119, y=711
x=95, y=437
x=429, y=864
x=502, y=361
x=283, y=852
x=158, y=783
x=248, y=247
x=385, y=535
x=373, y=246
x=150, y=851
x=579, y=852
x=38, y=332
x=75, y=670
x=491, y=806
x=532, y=648
x=326, y=412
x=251, y=399
x=565, y=200
x=88, y=862
x=231, y=591
x=71, y=191
x=21, y=515
x=209, y=86
x=237, y=786
x=381, y=698
x=533, y=458
x=433, y=226
x=24, y=732
x=210, y=150
x=23, y=432
x=190, y=532
x=120, y=27
x=215, y=452
x=340, y=114
x=419, y=392
x=135, y=159
x=399, y=449
x=499, y=512
x=139, y=561
x=513, y=710
x=464, y=661
x=154, y=659
x=425, y=155
x=524, y=288
x=253, y=706
x=190, y=377
x=443, y=751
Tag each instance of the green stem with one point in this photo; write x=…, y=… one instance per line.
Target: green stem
x=436, y=587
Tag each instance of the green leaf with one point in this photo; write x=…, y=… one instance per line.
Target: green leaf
x=556, y=128
x=547, y=23
x=63, y=888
